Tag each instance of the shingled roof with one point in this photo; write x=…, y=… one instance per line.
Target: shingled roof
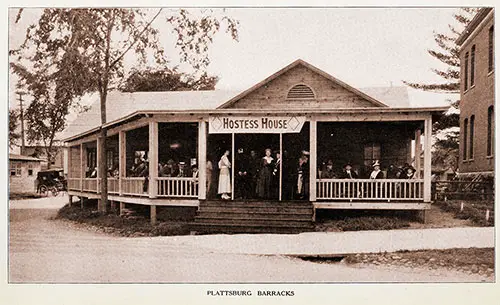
x=120, y=104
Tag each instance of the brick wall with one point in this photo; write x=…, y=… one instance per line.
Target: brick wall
x=475, y=101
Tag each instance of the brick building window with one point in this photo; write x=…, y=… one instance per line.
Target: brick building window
x=489, y=140
x=472, y=64
x=471, y=137
x=464, y=141
x=490, y=49
x=466, y=71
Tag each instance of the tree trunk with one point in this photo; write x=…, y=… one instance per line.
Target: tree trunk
x=103, y=171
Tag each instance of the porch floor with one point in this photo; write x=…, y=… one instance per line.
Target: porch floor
x=370, y=205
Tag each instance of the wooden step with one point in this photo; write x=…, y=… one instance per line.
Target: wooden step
x=280, y=204
x=263, y=222
x=214, y=209
x=208, y=228
x=255, y=215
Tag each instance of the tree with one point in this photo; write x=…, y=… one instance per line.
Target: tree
x=46, y=114
x=446, y=146
x=166, y=79
x=13, y=123
x=87, y=48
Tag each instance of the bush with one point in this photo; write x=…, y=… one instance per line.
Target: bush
x=124, y=226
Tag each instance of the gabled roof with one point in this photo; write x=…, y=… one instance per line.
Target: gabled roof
x=15, y=157
x=473, y=24
x=309, y=66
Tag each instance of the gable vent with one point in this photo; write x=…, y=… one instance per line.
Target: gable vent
x=300, y=92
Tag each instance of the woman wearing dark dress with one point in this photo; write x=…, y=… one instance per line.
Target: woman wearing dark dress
x=265, y=176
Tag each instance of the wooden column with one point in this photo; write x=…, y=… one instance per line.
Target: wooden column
x=82, y=167
x=202, y=160
x=313, y=159
x=153, y=160
x=418, y=152
x=100, y=207
x=122, y=207
x=122, y=161
x=68, y=162
x=232, y=166
x=281, y=168
x=70, y=200
x=427, y=159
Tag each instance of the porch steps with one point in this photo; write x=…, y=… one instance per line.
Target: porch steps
x=216, y=216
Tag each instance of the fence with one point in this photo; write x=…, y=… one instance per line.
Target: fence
x=369, y=189
x=452, y=189
x=135, y=186
x=177, y=187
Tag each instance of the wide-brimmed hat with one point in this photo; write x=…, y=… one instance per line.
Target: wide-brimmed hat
x=348, y=164
x=330, y=162
x=376, y=163
x=305, y=153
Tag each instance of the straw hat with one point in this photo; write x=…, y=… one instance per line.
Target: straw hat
x=376, y=163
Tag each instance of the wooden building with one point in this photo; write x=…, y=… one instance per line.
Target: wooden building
x=23, y=173
x=299, y=108
x=477, y=97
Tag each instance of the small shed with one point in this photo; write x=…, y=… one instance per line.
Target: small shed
x=23, y=171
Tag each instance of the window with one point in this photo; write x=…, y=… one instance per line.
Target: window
x=490, y=49
x=372, y=153
x=466, y=127
x=489, y=140
x=466, y=71
x=30, y=169
x=300, y=92
x=472, y=64
x=15, y=169
x=109, y=159
x=471, y=137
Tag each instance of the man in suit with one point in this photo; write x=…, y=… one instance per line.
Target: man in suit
x=348, y=172
x=242, y=179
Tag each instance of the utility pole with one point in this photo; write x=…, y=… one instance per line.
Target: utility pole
x=21, y=117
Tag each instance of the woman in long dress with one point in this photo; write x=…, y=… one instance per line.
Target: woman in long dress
x=265, y=176
x=224, y=177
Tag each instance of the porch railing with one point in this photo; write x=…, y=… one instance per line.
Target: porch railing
x=74, y=184
x=134, y=186
x=178, y=187
x=90, y=184
x=113, y=185
x=370, y=189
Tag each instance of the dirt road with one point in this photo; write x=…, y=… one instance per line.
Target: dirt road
x=45, y=250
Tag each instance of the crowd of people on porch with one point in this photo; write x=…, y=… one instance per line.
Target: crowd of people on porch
x=405, y=171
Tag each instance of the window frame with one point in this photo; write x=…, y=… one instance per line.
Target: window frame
x=472, y=65
x=471, y=136
x=491, y=47
x=466, y=72
x=490, y=131
x=465, y=139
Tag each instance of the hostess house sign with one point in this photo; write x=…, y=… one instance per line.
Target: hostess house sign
x=256, y=124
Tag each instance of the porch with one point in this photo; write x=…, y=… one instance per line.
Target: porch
x=184, y=139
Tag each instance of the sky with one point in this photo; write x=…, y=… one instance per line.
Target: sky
x=364, y=47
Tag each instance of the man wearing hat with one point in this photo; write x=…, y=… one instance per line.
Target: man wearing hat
x=348, y=172
x=376, y=173
x=328, y=173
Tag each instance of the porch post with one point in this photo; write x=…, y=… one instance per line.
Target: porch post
x=153, y=159
x=418, y=152
x=100, y=208
x=82, y=167
x=313, y=157
x=121, y=161
x=202, y=160
x=99, y=169
x=427, y=159
x=232, y=166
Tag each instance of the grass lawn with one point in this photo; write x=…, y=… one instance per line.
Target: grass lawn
x=473, y=210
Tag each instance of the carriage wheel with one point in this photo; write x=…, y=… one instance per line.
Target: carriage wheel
x=43, y=190
x=54, y=191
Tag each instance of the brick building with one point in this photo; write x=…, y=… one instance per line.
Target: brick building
x=477, y=97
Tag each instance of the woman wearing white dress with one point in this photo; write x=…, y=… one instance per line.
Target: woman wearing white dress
x=224, y=178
